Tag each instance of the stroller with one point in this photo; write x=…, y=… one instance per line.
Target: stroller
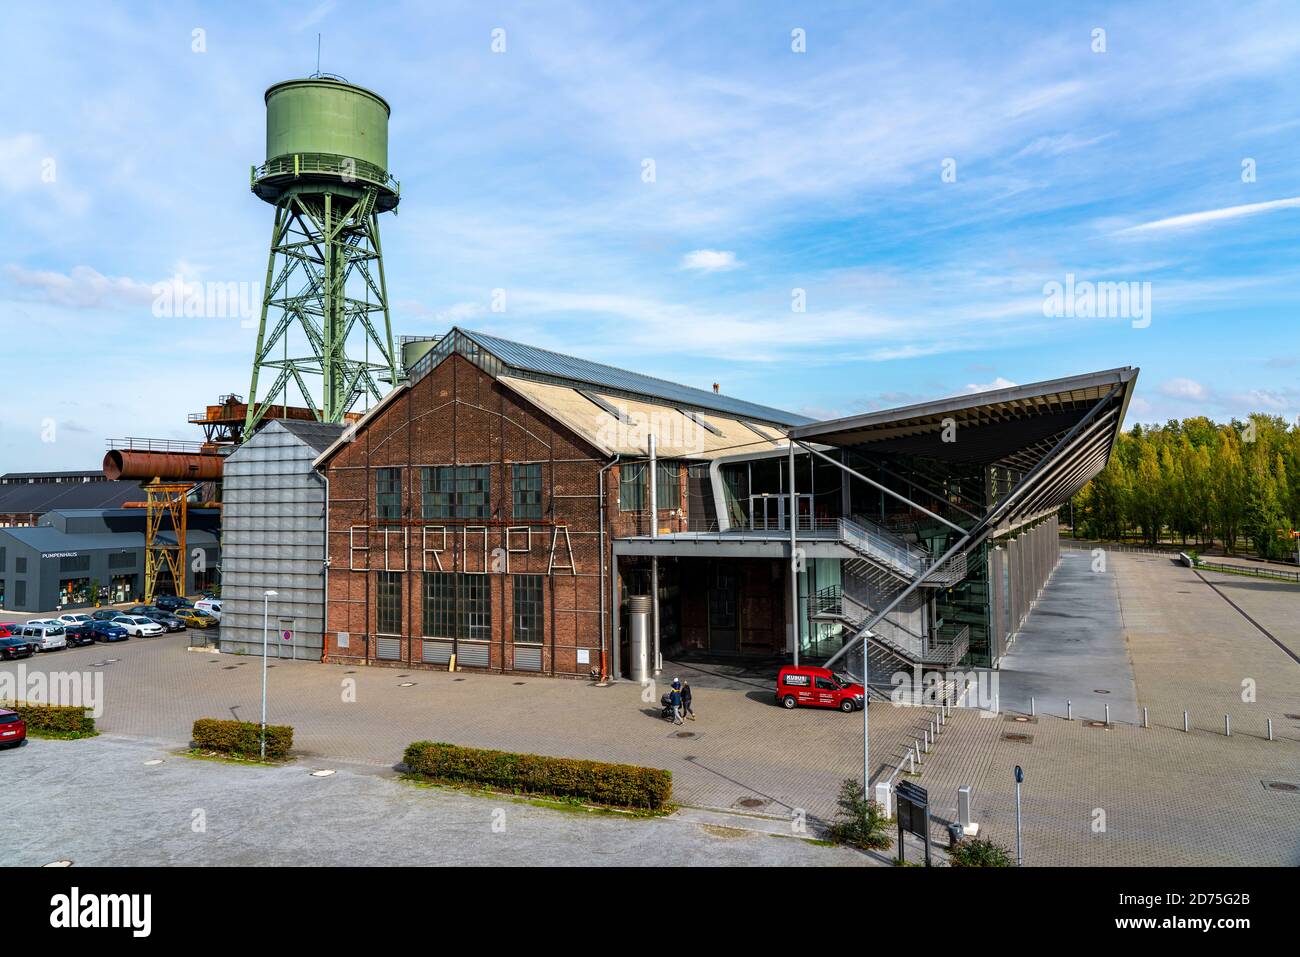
x=666, y=709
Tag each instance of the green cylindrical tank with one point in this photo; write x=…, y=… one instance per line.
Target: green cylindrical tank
x=324, y=134
x=323, y=115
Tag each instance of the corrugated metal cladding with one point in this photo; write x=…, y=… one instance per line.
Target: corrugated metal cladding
x=274, y=531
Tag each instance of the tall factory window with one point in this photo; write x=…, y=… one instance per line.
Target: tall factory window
x=526, y=488
x=388, y=495
x=389, y=606
x=527, y=628
x=475, y=611
x=439, y=607
x=632, y=486
x=456, y=491
x=456, y=606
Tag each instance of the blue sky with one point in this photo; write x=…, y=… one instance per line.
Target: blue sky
x=124, y=158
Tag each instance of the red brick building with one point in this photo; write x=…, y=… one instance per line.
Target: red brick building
x=472, y=512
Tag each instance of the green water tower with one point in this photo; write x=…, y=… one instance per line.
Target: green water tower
x=326, y=174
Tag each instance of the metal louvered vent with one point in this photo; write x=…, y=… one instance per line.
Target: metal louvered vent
x=473, y=654
x=528, y=659
x=437, y=652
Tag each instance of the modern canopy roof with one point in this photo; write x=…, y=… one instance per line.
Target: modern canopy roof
x=1055, y=435
x=504, y=357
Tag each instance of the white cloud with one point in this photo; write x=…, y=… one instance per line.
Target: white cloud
x=997, y=383
x=81, y=288
x=1181, y=388
x=1188, y=220
x=710, y=260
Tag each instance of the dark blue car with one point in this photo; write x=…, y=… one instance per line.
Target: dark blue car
x=107, y=631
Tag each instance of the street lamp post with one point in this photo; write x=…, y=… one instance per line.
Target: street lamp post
x=266, y=617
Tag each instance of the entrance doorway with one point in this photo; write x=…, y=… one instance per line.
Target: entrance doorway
x=769, y=511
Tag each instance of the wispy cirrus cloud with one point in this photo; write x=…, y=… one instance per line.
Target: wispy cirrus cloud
x=1207, y=216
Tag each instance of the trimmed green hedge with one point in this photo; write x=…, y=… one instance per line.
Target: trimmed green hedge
x=614, y=785
x=62, y=720
x=243, y=739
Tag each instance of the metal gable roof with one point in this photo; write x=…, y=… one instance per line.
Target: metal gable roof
x=48, y=496
x=526, y=360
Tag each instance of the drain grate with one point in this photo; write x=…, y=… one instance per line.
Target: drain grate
x=406, y=684
x=1095, y=724
x=1280, y=785
x=457, y=679
x=684, y=734
x=1017, y=737
x=1100, y=691
x=1292, y=717
x=751, y=803
x=1020, y=719
x=230, y=667
x=521, y=682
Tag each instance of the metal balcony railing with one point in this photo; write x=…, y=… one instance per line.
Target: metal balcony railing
x=346, y=167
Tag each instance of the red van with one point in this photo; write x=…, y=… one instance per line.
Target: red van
x=815, y=687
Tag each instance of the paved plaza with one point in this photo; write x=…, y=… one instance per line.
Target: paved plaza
x=181, y=811
x=1149, y=631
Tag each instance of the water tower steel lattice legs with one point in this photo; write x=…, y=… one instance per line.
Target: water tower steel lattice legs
x=318, y=244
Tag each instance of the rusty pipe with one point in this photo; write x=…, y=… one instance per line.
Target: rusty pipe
x=166, y=466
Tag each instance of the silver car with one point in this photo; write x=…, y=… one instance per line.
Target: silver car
x=44, y=636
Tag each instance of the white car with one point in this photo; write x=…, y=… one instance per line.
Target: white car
x=43, y=635
x=210, y=605
x=74, y=619
x=138, y=627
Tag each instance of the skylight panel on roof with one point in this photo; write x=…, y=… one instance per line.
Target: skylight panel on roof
x=701, y=421
x=605, y=406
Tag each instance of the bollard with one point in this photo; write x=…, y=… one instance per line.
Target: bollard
x=1069, y=710
x=911, y=762
x=917, y=745
x=1227, y=726
x=1184, y=721
x=1270, y=729
x=1108, y=716
x=1033, y=706
x=1146, y=723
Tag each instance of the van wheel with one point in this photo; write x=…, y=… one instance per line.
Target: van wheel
x=847, y=706
x=788, y=702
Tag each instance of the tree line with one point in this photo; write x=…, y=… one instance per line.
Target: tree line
x=1198, y=482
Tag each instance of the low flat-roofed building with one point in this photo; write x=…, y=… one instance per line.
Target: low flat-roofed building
x=73, y=557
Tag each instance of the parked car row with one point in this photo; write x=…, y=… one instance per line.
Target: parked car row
x=169, y=614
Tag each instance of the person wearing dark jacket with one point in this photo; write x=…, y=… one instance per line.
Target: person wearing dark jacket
x=687, y=711
x=675, y=700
